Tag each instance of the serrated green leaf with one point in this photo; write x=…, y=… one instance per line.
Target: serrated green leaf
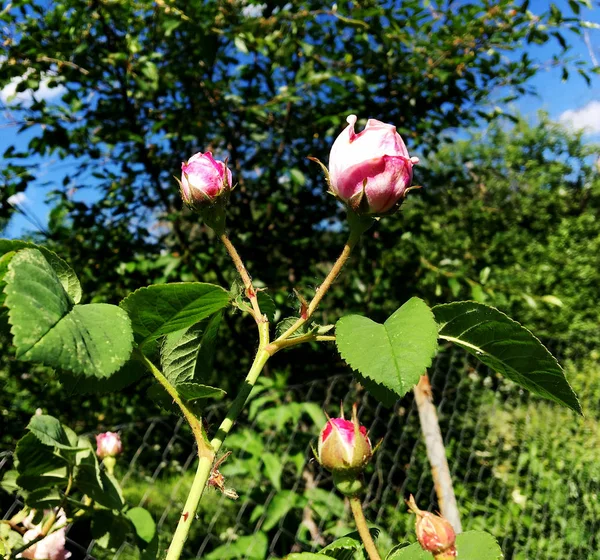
x=65, y=273
x=188, y=354
x=342, y=548
x=132, y=371
x=286, y=323
x=50, y=431
x=38, y=465
x=470, y=545
x=394, y=354
x=100, y=486
x=9, y=481
x=165, y=308
x=303, y=556
x=110, y=530
x=396, y=550
x=145, y=527
x=195, y=391
x=92, y=339
x=507, y=347
x=266, y=304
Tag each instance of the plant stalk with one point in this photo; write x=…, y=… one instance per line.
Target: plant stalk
x=323, y=288
x=239, y=265
x=205, y=463
x=363, y=528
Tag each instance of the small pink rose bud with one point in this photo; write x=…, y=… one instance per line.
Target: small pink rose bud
x=203, y=179
x=344, y=445
x=370, y=171
x=434, y=533
x=108, y=444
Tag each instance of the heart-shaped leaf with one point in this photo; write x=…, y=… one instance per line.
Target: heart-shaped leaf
x=507, y=347
x=165, y=308
x=92, y=339
x=394, y=354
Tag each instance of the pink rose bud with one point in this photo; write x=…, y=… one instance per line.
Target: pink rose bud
x=370, y=171
x=344, y=445
x=108, y=445
x=434, y=533
x=203, y=179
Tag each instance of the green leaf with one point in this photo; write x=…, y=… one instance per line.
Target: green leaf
x=343, y=548
x=304, y=556
x=49, y=431
x=471, y=545
x=286, y=323
x=279, y=507
x=132, y=371
x=145, y=527
x=65, y=273
x=394, y=354
x=109, y=529
x=188, y=354
x=92, y=339
x=165, y=308
x=195, y=391
x=273, y=468
x=38, y=465
x=100, y=486
x=393, y=553
x=507, y=347
x=9, y=481
x=266, y=304
x=252, y=547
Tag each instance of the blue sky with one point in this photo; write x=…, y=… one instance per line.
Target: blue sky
x=573, y=102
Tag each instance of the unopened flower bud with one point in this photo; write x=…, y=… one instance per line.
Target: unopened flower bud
x=434, y=533
x=370, y=171
x=344, y=445
x=108, y=444
x=203, y=180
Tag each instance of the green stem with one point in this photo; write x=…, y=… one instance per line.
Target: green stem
x=322, y=289
x=239, y=265
x=205, y=464
x=363, y=528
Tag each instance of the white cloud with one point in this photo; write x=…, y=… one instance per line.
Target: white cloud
x=16, y=199
x=9, y=94
x=585, y=118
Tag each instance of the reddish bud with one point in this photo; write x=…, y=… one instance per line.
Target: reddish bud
x=108, y=444
x=203, y=179
x=370, y=171
x=344, y=445
x=434, y=533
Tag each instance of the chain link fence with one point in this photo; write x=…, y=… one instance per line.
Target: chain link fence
x=524, y=469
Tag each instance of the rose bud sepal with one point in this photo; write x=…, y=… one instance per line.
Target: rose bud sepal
x=350, y=483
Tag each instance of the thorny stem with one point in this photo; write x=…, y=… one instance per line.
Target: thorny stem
x=322, y=289
x=206, y=463
x=363, y=528
x=250, y=291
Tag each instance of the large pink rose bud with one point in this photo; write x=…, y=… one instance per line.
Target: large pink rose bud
x=370, y=171
x=108, y=444
x=434, y=533
x=203, y=180
x=344, y=446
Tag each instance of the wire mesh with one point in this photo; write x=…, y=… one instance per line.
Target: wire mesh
x=511, y=455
